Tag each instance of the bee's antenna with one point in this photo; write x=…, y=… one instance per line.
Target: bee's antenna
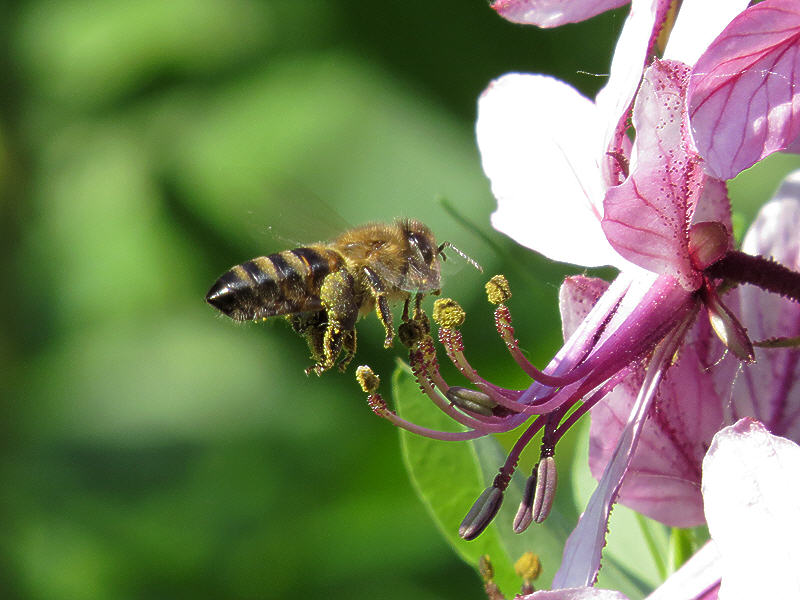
x=467, y=258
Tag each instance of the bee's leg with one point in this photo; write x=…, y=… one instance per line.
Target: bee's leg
x=381, y=305
x=349, y=347
x=418, y=306
x=311, y=326
x=405, y=308
x=338, y=299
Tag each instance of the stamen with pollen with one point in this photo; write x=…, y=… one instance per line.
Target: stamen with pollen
x=498, y=291
x=369, y=383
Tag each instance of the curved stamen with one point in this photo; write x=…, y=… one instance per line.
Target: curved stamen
x=378, y=406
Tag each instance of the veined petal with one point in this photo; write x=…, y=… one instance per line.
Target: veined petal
x=576, y=298
x=752, y=503
x=552, y=13
x=697, y=24
x=646, y=217
x=744, y=94
x=663, y=479
x=769, y=390
x=583, y=550
x=535, y=137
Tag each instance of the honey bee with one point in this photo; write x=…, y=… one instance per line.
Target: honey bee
x=324, y=288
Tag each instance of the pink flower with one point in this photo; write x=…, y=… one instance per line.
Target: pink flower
x=751, y=499
x=572, y=185
x=705, y=390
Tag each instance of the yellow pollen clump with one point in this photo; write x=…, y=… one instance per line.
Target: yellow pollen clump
x=498, y=290
x=528, y=566
x=367, y=379
x=448, y=313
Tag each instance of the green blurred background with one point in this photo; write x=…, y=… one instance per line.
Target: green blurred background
x=152, y=449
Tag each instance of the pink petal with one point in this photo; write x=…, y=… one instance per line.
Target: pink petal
x=714, y=204
x=769, y=390
x=646, y=217
x=535, y=136
x=576, y=297
x=744, y=94
x=552, y=13
x=752, y=502
x=663, y=479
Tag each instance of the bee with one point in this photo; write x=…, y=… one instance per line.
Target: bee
x=324, y=288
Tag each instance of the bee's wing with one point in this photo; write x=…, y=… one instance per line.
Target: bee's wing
x=296, y=216
x=414, y=276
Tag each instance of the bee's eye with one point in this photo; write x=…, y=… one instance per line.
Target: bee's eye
x=422, y=246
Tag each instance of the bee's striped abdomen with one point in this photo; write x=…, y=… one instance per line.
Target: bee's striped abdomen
x=278, y=284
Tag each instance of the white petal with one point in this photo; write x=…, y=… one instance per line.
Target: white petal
x=751, y=493
x=697, y=575
x=698, y=23
x=539, y=141
x=630, y=56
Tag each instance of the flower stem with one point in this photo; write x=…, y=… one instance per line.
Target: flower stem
x=757, y=270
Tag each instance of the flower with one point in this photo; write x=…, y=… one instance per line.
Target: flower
x=705, y=390
x=751, y=496
x=572, y=185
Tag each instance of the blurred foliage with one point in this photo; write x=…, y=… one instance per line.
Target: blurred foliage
x=151, y=449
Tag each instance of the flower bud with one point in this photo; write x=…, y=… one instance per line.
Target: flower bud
x=481, y=513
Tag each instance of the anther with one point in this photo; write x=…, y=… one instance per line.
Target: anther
x=481, y=513
x=367, y=379
x=524, y=516
x=471, y=400
x=412, y=332
x=546, y=480
x=498, y=289
x=448, y=313
x=528, y=568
